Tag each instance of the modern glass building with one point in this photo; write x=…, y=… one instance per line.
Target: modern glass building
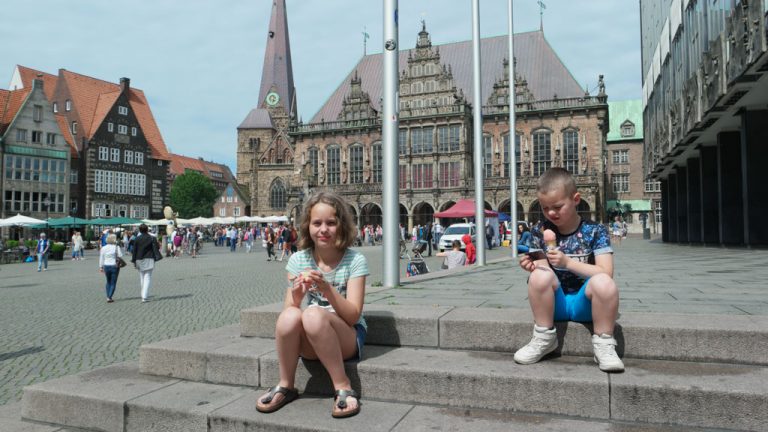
x=705, y=110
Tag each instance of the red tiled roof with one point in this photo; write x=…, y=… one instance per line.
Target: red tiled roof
x=28, y=75
x=5, y=95
x=67, y=134
x=148, y=125
x=180, y=163
x=91, y=97
x=14, y=100
x=104, y=103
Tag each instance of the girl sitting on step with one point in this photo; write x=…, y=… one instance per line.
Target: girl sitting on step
x=331, y=329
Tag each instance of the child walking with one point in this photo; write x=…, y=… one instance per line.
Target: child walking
x=574, y=280
x=331, y=329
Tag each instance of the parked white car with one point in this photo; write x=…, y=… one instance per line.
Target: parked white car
x=456, y=232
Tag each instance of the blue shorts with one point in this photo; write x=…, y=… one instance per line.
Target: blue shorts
x=361, y=334
x=573, y=307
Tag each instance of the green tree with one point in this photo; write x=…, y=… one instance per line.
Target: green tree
x=193, y=195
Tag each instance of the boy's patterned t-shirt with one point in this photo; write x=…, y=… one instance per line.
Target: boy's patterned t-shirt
x=589, y=239
x=352, y=265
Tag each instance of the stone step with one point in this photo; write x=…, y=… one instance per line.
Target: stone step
x=684, y=393
x=739, y=339
x=120, y=399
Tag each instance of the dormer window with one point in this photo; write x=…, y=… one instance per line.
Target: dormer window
x=68, y=105
x=122, y=110
x=55, y=107
x=627, y=129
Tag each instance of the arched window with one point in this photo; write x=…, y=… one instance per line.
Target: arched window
x=542, y=152
x=277, y=195
x=333, y=165
x=487, y=156
x=376, y=150
x=571, y=151
x=312, y=156
x=356, y=164
x=517, y=155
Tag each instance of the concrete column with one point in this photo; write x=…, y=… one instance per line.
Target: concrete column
x=694, y=201
x=664, y=210
x=754, y=148
x=682, y=204
x=671, y=209
x=731, y=203
x=710, y=217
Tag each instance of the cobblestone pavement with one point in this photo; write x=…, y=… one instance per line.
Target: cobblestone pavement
x=58, y=323
x=652, y=277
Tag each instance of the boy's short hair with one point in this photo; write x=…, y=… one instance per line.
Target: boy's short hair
x=556, y=178
x=456, y=244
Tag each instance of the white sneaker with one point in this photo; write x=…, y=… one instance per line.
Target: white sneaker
x=544, y=341
x=605, y=353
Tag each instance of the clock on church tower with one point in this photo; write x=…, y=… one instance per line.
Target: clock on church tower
x=272, y=98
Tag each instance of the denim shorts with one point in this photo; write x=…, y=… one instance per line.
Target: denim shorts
x=361, y=333
x=574, y=306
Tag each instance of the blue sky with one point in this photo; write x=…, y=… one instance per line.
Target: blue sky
x=199, y=61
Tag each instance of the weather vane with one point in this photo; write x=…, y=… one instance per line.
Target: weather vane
x=542, y=6
x=366, y=36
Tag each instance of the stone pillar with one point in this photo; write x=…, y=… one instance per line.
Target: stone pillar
x=754, y=148
x=682, y=205
x=671, y=209
x=710, y=217
x=664, y=210
x=731, y=205
x=694, y=201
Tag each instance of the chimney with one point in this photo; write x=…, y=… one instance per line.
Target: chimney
x=125, y=83
x=37, y=83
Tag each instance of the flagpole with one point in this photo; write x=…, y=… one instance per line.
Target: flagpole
x=477, y=112
x=512, y=137
x=391, y=160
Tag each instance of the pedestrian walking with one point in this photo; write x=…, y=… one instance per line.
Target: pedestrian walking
x=144, y=258
x=42, y=248
x=77, y=246
x=269, y=240
x=332, y=328
x=109, y=257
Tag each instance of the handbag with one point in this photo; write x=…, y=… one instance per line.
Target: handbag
x=121, y=262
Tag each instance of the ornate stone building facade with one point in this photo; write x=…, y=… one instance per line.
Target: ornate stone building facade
x=340, y=148
x=705, y=93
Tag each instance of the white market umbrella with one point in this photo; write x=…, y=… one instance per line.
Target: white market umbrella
x=20, y=220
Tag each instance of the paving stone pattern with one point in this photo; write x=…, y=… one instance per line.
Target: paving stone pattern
x=57, y=323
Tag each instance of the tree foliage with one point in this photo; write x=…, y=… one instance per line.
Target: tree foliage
x=193, y=195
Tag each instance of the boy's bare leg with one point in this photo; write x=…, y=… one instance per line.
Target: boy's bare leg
x=542, y=284
x=602, y=292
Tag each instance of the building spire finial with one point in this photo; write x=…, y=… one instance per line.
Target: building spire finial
x=277, y=72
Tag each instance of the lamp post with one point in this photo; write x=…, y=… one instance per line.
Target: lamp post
x=47, y=203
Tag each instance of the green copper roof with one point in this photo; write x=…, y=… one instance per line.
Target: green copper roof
x=622, y=111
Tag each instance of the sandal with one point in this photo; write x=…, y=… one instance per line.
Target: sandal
x=341, y=404
x=289, y=395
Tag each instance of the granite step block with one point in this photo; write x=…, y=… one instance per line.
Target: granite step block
x=678, y=337
x=90, y=400
x=185, y=406
x=684, y=393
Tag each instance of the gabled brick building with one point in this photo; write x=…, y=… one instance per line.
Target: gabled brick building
x=35, y=157
x=233, y=199
x=119, y=159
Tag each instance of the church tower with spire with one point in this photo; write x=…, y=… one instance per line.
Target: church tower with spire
x=264, y=150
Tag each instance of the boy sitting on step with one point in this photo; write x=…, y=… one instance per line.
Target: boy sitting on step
x=571, y=274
